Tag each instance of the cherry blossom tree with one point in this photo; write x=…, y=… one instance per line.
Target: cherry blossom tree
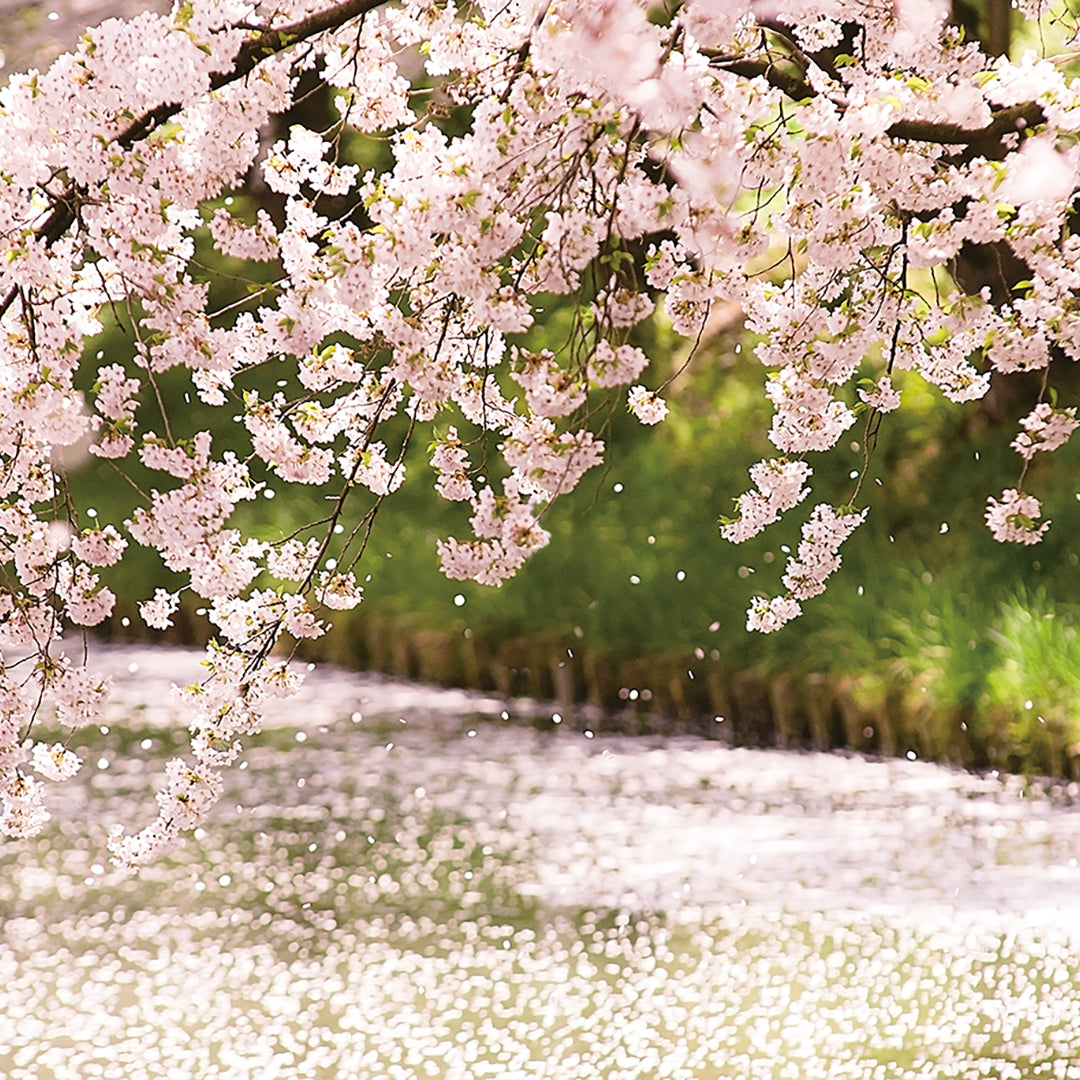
x=883, y=200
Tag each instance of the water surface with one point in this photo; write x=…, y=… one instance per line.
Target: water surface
x=411, y=882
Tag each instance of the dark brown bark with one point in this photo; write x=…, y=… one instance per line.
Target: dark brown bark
x=987, y=21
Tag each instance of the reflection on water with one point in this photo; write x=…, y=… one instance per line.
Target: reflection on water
x=406, y=882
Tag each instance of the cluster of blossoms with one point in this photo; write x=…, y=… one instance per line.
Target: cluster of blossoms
x=881, y=199
x=779, y=488
x=1014, y=518
x=817, y=557
x=646, y=405
x=1045, y=428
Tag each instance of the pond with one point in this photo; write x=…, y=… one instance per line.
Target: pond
x=406, y=882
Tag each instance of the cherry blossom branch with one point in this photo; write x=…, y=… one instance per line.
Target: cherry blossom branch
x=573, y=155
x=1009, y=120
x=259, y=46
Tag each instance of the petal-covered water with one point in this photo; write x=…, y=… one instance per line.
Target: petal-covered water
x=410, y=882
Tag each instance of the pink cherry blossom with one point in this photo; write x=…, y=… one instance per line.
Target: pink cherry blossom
x=766, y=615
x=1045, y=428
x=780, y=487
x=883, y=397
x=102, y=547
x=662, y=178
x=646, y=405
x=1014, y=519
x=157, y=611
x=616, y=366
x=55, y=762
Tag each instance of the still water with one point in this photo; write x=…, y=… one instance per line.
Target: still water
x=406, y=882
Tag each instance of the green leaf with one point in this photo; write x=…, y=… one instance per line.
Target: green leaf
x=168, y=132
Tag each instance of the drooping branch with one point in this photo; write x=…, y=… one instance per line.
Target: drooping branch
x=598, y=162
x=260, y=45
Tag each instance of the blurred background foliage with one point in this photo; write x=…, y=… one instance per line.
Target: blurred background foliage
x=931, y=637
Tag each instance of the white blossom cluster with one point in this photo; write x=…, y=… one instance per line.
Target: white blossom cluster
x=643, y=167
